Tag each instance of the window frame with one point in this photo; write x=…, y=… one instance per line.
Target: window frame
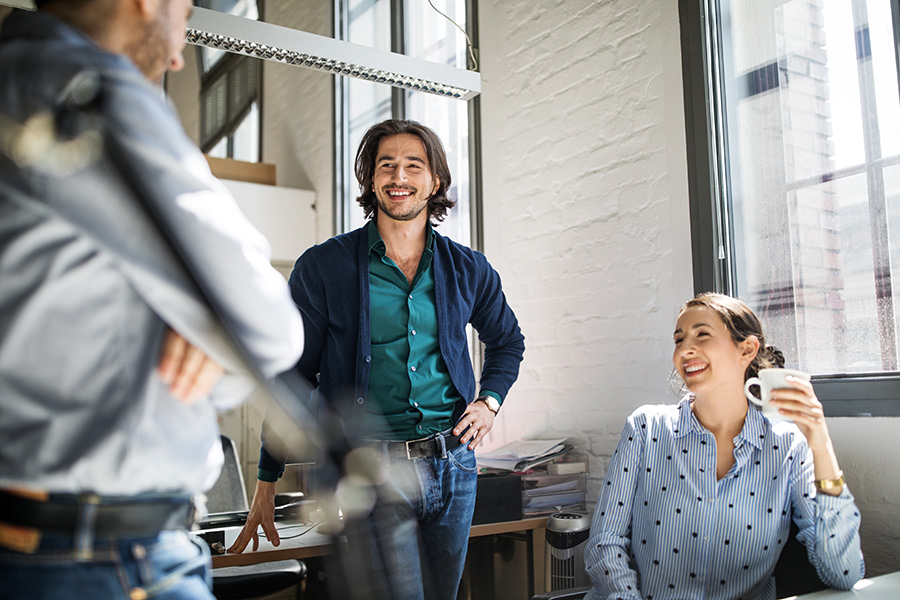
x=225, y=68
x=712, y=233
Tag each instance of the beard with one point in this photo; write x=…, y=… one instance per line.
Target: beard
x=389, y=211
x=152, y=51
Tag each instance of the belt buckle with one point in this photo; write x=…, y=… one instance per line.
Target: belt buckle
x=406, y=445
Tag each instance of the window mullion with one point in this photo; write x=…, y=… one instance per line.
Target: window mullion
x=398, y=45
x=895, y=20
x=878, y=217
x=723, y=257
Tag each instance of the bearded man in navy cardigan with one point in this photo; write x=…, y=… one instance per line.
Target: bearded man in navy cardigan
x=385, y=310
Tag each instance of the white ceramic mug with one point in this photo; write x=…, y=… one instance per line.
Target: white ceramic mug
x=768, y=380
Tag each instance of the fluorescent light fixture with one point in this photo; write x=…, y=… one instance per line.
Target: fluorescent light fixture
x=281, y=44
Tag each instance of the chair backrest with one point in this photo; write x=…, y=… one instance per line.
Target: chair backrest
x=794, y=575
x=228, y=494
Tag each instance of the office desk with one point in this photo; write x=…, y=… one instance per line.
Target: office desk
x=478, y=576
x=522, y=525
x=883, y=587
x=313, y=544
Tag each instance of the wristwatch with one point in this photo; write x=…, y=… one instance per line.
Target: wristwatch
x=491, y=402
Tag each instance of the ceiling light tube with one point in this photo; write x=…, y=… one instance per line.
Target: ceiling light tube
x=290, y=46
x=281, y=44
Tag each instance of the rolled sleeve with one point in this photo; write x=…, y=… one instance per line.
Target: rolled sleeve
x=829, y=528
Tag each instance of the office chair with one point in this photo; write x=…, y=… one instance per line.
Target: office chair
x=250, y=581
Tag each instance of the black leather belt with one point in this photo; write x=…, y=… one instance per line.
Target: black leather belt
x=108, y=516
x=434, y=445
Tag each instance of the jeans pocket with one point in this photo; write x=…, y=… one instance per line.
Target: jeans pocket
x=166, y=564
x=463, y=459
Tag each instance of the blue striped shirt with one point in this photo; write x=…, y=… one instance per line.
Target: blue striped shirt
x=665, y=527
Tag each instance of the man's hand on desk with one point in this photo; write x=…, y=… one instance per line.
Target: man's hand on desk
x=262, y=512
x=190, y=374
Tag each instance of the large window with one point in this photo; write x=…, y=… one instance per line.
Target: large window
x=793, y=109
x=419, y=30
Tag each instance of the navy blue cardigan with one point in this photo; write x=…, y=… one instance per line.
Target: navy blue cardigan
x=330, y=285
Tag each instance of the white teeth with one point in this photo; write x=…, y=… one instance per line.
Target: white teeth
x=694, y=368
x=406, y=193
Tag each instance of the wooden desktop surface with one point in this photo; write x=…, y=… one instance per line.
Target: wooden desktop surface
x=311, y=543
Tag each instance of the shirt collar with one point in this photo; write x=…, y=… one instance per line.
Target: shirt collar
x=374, y=240
x=686, y=422
x=753, y=432
x=376, y=244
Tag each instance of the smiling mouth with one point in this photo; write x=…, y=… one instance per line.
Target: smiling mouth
x=692, y=370
x=399, y=194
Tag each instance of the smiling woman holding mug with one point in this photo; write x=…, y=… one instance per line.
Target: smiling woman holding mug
x=699, y=497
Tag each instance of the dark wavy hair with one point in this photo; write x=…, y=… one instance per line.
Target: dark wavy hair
x=741, y=323
x=438, y=203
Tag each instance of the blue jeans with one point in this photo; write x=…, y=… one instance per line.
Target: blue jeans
x=415, y=539
x=169, y=566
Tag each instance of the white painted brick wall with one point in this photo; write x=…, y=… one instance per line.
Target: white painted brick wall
x=585, y=206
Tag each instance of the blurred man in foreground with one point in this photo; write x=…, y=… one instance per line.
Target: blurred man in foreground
x=112, y=366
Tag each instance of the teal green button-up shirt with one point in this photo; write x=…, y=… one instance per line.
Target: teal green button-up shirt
x=409, y=384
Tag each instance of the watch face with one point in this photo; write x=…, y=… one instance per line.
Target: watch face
x=492, y=403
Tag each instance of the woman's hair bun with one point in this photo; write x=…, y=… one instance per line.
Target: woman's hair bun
x=776, y=356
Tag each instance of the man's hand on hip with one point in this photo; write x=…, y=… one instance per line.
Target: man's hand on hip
x=262, y=512
x=476, y=422
x=189, y=373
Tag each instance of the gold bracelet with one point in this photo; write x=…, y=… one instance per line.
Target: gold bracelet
x=827, y=484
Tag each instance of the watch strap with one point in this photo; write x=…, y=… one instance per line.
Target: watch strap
x=491, y=403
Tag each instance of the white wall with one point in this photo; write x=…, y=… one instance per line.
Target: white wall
x=585, y=207
x=586, y=219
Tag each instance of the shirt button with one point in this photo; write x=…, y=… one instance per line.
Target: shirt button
x=419, y=428
x=413, y=368
x=705, y=538
x=360, y=401
x=416, y=404
x=410, y=296
x=710, y=500
x=414, y=332
x=368, y=359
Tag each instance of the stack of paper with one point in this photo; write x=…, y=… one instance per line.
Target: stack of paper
x=549, y=493
x=522, y=455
